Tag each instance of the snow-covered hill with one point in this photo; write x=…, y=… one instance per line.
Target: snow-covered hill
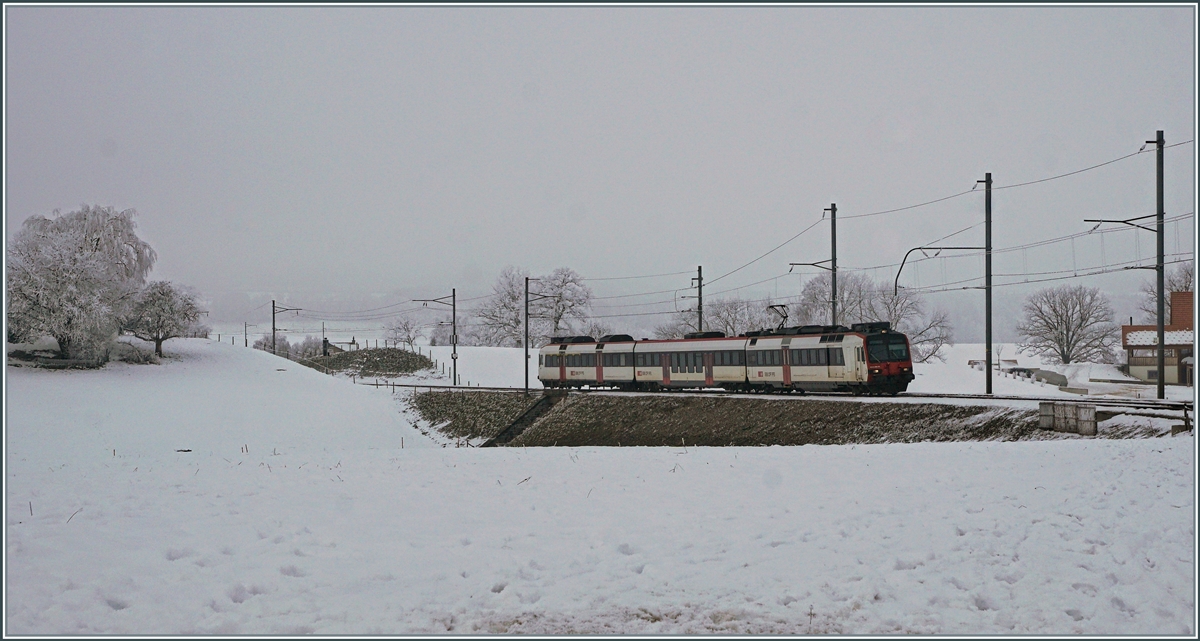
x=296, y=511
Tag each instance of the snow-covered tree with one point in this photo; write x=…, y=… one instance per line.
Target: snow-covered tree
x=310, y=347
x=1180, y=279
x=863, y=300
x=161, y=312
x=594, y=327
x=558, y=302
x=499, y=320
x=562, y=299
x=440, y=333
x=403, y=329
x=677, y=324
x=928, y=331
x=282, y=347
x=74, y=277
x=737, y=316
x=1068, y=324
x=814, y=306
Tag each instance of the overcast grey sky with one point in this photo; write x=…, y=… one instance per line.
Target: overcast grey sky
x=311, y=151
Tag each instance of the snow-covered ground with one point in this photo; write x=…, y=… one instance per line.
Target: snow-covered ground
x=297, y=511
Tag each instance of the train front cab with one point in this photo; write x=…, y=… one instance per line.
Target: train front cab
x=889, y=362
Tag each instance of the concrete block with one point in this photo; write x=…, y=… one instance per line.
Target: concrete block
x=1046, y=415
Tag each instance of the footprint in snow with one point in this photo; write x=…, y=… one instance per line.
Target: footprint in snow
x=174, y=555
x=626, y=549
x=117, y=604
x=291, y=570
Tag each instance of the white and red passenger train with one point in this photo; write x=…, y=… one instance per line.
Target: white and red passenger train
x=866, y=358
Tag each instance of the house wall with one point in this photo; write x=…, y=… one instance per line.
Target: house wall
x=1143, y=373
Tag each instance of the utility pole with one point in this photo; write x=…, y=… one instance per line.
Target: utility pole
x=987, y=275
x=536, y=297
x=1162, y=348
x=833, y=260
x=699, y=298
x=453, y=326
x=246, y=334
x=276, y=310
x=454, y=332
x=526, y=336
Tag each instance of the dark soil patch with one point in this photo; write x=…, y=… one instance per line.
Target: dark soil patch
x=657, y=420
x=603, y=420
x=471, y=415
x=372, y=362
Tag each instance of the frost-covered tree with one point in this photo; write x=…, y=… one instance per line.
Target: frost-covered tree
x=558, y=302
x=440, y=334
x=562, y=299
x=677, y=324
x=594, y=327
x=403, y=329
x=282, y=347
x=863, y=300
x=74, y=277
x=1068, y=324
x=161, y=312
x=737, y=316
x=1180, y=279
x=310, y=347
x=499, y=320
x=814, y=306
x=928, y=331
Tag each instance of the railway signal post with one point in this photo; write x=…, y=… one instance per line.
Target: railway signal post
x=987, y=275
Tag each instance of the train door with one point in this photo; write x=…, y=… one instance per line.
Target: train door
x=664, y=359
x=562, y=367
x=787, y=366
x=837, y=363
x=599, y=368
x=708, y=369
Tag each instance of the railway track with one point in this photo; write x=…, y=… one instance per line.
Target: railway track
x=1099, y=401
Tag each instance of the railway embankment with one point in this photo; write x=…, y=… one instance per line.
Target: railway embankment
x=674, y=420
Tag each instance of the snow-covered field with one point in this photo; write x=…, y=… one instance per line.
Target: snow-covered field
x=296, y=511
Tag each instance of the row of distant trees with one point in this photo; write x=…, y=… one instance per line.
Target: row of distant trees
x=560, y=303
x=80, y=278
x=1066, y=324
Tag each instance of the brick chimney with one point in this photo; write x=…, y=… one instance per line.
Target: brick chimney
x=1181, y=310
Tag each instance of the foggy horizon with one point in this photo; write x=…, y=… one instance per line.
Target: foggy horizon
x=342, y=159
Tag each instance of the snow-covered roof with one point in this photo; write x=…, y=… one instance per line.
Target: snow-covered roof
x=1147, y=338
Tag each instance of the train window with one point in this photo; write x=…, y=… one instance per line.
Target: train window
x=836, y=357
x=739, y=358
x=674, y=362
